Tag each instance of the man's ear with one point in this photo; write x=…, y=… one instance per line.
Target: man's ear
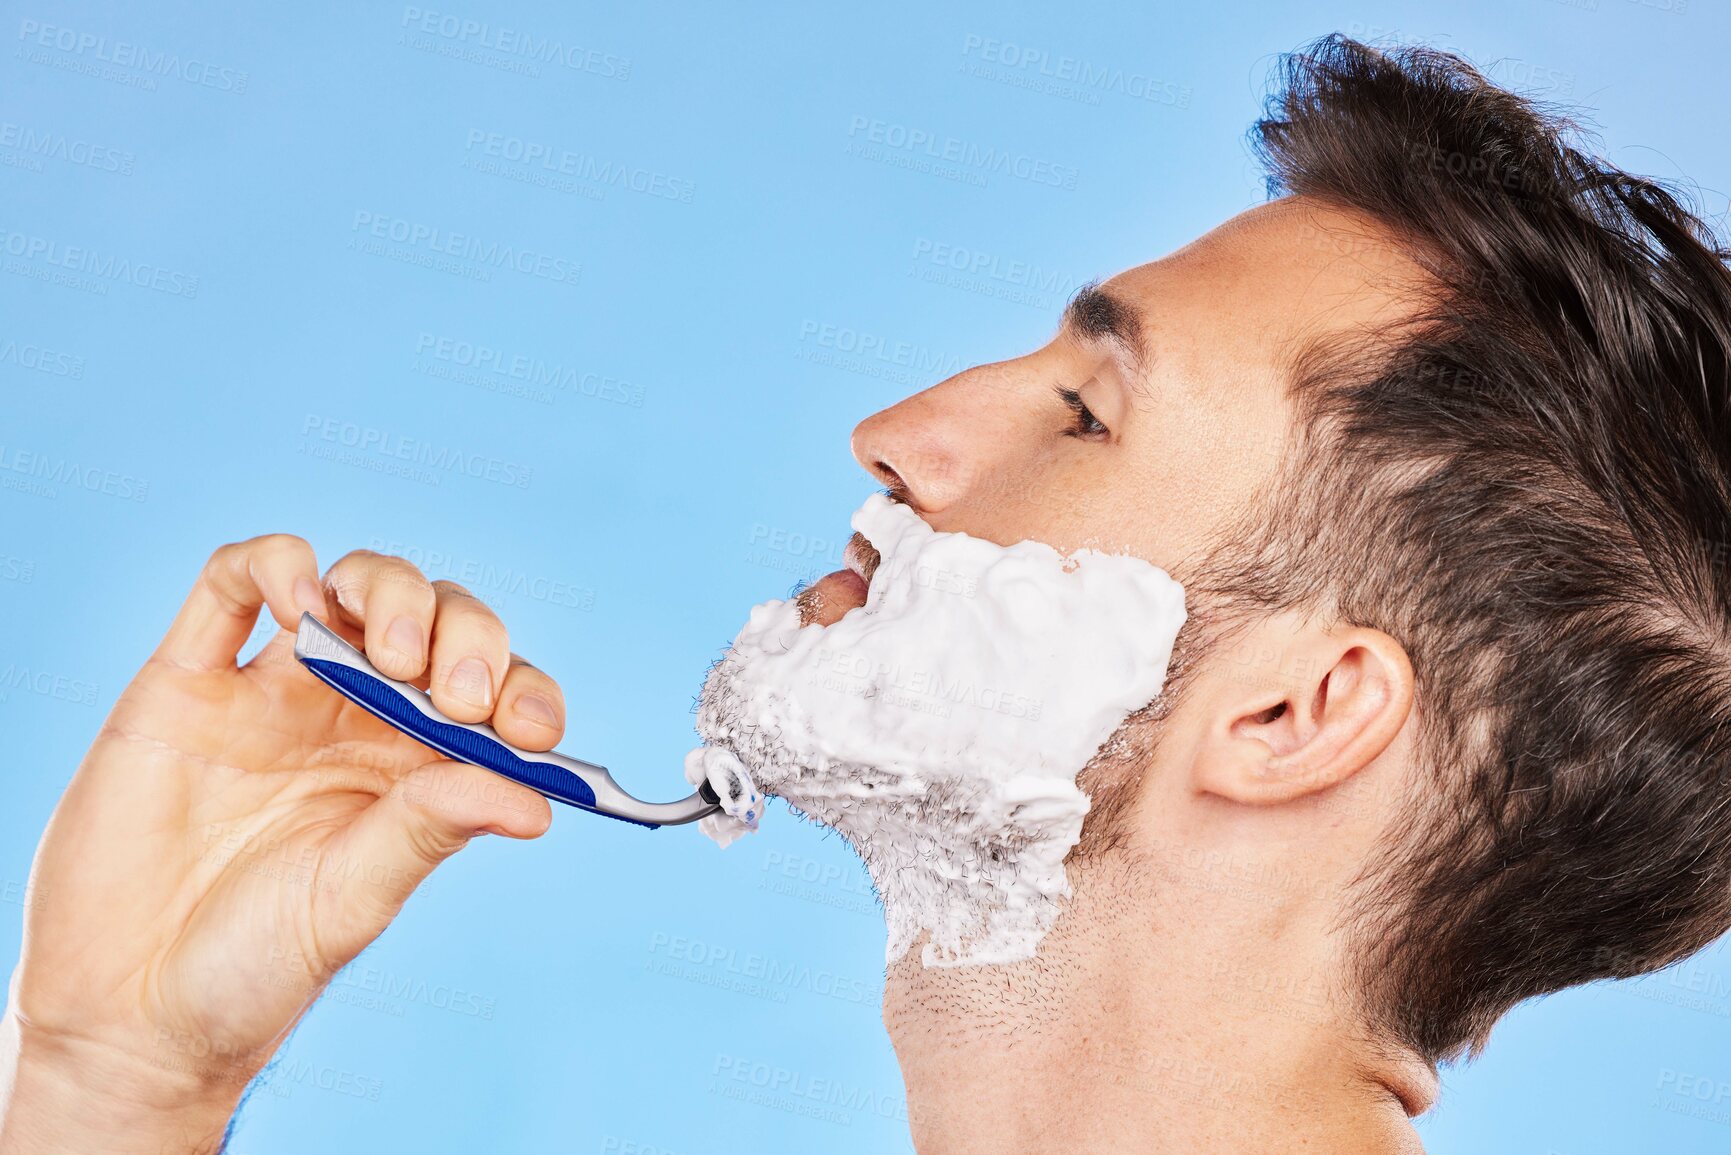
x=1315, y=708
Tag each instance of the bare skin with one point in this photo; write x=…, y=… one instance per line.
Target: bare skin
x=237, y=834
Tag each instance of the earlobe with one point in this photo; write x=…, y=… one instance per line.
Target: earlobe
x=1343, y=696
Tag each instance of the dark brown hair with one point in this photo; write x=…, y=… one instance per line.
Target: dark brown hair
x=1531, y=490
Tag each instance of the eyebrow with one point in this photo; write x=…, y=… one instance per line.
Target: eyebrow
x=1095, y=313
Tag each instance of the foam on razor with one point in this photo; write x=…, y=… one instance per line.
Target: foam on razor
x=940, y=727
x=741, y=804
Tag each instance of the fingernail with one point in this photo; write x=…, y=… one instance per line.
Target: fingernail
x=404, y=636
x=537, y=709
x=309, y=597
x=472, y=681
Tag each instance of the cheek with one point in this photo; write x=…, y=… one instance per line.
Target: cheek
x=1145, y=505
x=1184, y=476
x=1087, y=499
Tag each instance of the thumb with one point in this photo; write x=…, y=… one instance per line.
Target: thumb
x=428, y=815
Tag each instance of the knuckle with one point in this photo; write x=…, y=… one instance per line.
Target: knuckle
x=282, y=544
x=217, y=574
x=457, y=594
x=347, y=575
x=221, y=556
x=527, y=679
x=486, y=634
x=457, y=604
x=430, y=837
x=280, y=552
x=364, y=571
x=409, y=584
x=354, y=558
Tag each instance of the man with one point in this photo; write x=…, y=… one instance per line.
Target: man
x=1439, y=443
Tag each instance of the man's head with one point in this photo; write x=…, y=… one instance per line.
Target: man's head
x=1439, y=443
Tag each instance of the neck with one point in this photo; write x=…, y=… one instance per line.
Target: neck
x=1145, y=1025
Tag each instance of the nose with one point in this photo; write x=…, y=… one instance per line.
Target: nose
x=921, y=448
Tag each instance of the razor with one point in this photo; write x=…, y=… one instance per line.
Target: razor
x=408, y=708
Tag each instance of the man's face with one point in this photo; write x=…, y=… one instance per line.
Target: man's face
x=1182, y=365
x=1146, y=424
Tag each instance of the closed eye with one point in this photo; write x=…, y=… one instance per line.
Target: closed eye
x=1084, y=425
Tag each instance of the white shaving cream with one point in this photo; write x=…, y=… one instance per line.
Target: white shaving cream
x=741, y=804
x=940, y=727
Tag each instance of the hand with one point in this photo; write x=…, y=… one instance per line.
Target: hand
x=236, y=835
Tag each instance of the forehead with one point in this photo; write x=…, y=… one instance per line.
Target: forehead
x=1268, y=281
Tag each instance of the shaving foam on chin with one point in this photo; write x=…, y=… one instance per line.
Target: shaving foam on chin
x=941, y=726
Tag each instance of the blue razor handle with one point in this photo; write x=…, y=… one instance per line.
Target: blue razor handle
x=561, y=778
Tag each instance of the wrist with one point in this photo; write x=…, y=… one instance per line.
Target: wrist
x=59, y=1093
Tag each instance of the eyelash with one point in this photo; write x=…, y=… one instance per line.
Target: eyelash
x=1087, y=425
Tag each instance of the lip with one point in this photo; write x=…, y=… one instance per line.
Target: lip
x=826, y=600
x=861, y=557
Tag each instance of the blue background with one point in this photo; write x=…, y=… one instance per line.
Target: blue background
x=602, y=987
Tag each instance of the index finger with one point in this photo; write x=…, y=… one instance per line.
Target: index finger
x=277, y=570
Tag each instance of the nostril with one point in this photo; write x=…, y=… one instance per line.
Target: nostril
x=891, y=479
